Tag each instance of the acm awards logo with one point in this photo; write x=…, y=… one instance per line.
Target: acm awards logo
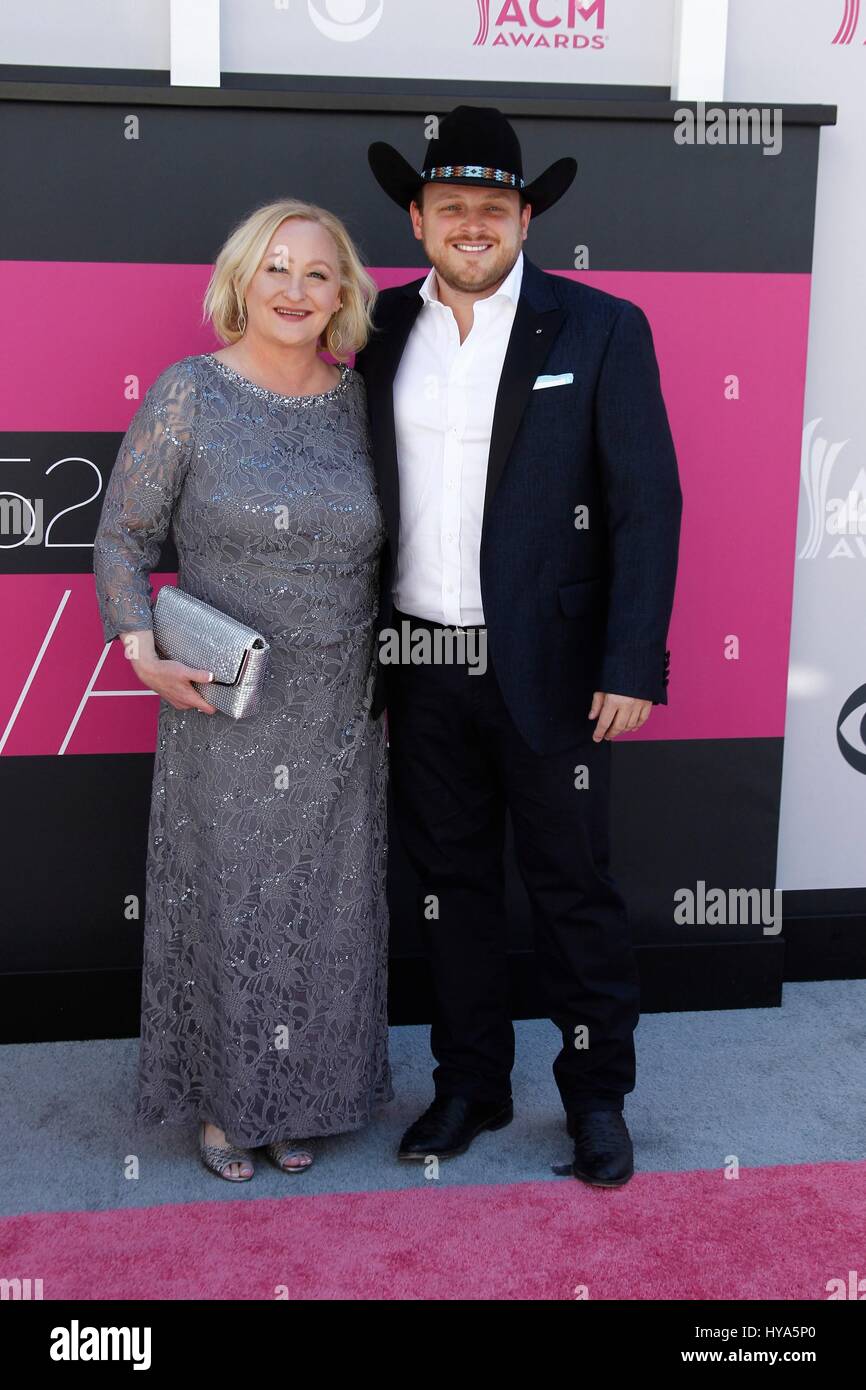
x=837, y=523
x=840, y=523
x=540, y=24
x=850, y=19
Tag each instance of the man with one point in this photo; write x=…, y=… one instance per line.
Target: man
x=530, y=490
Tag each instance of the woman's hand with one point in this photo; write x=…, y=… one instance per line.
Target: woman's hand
x=170, y=679
x=173, y=681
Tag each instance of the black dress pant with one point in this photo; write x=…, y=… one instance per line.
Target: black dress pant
x=457, y=762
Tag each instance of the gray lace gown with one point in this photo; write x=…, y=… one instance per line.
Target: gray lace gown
x=265, y=926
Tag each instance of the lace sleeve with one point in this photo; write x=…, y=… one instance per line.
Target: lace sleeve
x=140, y=497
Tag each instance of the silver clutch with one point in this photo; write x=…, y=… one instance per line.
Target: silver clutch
x=189, y=630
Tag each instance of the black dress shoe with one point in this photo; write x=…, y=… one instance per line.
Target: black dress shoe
x=449, y=1125
x=603, y=1154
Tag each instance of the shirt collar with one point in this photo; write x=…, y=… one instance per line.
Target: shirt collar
x=510, y=287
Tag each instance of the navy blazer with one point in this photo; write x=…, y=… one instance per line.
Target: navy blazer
x=574, y=601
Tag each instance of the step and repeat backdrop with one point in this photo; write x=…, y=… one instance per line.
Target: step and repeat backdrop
x=119, y=207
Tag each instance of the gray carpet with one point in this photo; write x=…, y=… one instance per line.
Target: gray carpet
x=772, y=1086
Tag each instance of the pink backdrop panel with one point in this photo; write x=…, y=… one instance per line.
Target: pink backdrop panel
x=739, y=462
x=55, y=697
x=738, y=455
x=81, y=327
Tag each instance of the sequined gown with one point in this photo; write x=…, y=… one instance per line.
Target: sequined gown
x=265, y=924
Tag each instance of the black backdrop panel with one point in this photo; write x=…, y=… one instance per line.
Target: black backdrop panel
x=641, y=202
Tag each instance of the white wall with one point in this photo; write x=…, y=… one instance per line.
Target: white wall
x=412, y=38
x=85, y=33
x=783, y=51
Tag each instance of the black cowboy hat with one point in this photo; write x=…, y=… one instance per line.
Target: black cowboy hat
x=478, y=146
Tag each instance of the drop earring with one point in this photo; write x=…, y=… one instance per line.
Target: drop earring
x=335, y=337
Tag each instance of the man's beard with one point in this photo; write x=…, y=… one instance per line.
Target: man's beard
x=449, y=265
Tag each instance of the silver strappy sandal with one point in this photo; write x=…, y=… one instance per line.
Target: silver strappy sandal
x=218, y=1159
x=284, y=1149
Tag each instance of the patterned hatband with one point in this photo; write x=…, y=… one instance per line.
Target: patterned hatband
x=473, y=171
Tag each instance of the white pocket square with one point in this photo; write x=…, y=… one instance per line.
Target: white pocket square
x=564, y=379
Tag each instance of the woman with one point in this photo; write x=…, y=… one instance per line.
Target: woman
x=264, y=983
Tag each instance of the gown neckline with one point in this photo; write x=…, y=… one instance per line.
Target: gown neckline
x=264, y=391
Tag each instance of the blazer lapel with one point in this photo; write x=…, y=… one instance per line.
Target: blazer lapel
x=380, y=383
x=536, y=323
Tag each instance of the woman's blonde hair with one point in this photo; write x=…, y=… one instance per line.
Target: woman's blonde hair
x=240, y=257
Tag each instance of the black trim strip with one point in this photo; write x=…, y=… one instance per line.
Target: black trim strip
x=405, y=101
x=304, y=82
x=58, y=1006
x=63, y=1006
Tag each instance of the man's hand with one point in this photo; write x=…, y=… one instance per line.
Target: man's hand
x=617, y=714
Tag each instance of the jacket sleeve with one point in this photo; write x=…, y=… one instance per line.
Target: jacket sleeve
x=139, y=500
x=643, y=510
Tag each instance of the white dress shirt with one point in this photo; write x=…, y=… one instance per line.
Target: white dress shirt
x=444, y=396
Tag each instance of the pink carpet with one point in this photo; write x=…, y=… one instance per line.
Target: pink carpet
x=779, y=1232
